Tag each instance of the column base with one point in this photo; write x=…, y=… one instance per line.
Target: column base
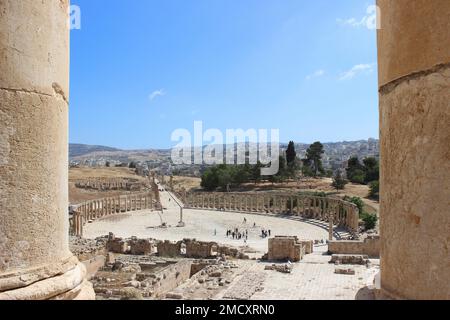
x=70, y=284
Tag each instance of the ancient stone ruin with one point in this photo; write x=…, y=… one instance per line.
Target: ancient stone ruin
x=109, y=184
x=334, y=211
x=369, y=246
x=284, y=248
x=92, y=210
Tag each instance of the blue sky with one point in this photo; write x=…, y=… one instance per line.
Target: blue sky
x=142, y=68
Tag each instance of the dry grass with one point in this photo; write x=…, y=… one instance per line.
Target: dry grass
x=102, y=172
x=188, y=183
x=77, y=195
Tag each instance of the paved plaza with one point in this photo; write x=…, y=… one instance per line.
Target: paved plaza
x=204, y=225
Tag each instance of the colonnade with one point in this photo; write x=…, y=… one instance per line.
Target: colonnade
x=341, y=213
x=101, y=208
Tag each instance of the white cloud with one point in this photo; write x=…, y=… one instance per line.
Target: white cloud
x=157, y=93
x=371, y=21
x=316, y=74
x=355, y=70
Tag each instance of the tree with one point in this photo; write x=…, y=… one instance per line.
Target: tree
x=132, y=165
x=242, y=174
x=372, y=170
x=108, y=164
x=358, y=202
x=374, y=190
x=282, y=165
x=363, y=173
x=306, y=170
x=256, y=172
x=225, y=177
x=314, y=156
x=210, y=179
x=355, y=170
x=291, y=155
x=339, y=182
x=358, y=176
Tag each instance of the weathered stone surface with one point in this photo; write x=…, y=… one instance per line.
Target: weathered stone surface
x=369, y=246
x=34, y=37
x=169, y=249
x=415, y=198
x=48, y=288
x=414, y=62
x=406, y=46
x=349, y=259
x=345, y=271
x=286, y=248
x=35, y=261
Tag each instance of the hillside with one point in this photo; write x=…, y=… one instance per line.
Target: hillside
x=76, y=150
x=335, y=156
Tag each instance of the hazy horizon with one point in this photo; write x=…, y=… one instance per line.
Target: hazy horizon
x=168, y=148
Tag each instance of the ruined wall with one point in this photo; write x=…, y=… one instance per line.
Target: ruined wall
x=105, y=184
x=370, y=246
x=140, y=246
x=132, y=245
x=282, y=248
x=171, y=277
x=414, y=79
x=308, y=245
x=169, y=249
x=198, y=249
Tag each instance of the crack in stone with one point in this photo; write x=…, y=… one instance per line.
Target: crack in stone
x=390, y=86
x=56, y=88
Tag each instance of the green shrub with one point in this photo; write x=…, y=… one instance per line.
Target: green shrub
x=370, y=221
x=339, y=182
x=374, y=190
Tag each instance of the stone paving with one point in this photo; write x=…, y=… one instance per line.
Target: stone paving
x=315, y=279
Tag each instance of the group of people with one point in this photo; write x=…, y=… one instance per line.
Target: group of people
x=237, y=234
x=265, y=233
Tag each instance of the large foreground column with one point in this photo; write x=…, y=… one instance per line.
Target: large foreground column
x=414, y=75
x=35, y=261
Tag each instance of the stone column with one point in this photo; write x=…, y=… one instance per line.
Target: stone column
x=330, y=227
x=35, y=261
x=414, y=79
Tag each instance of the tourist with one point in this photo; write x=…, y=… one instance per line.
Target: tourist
x=269, y=232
